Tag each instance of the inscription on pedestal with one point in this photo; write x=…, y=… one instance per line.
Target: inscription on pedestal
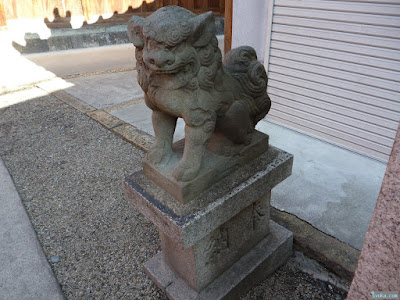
x=217, y=245
x=260, y=214
x=252, y=268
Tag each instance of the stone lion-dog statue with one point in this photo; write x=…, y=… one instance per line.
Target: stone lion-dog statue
x=181, y=72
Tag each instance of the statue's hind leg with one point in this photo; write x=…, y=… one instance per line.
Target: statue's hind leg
x=164, y=128
x=236, y=123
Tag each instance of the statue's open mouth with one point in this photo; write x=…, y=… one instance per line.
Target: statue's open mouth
x=164, y=71
x=161, y=71
x=176, y=69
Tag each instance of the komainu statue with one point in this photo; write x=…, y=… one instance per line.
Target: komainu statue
x=181, y=72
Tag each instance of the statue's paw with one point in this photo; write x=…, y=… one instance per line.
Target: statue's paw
x=158, y=156
x=186, y=172
x=248, y=139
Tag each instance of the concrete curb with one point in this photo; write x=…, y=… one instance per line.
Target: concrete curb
x=131, y=134
x=84, y=37
x=333, y=254
x=68, y=38
x=25, y=272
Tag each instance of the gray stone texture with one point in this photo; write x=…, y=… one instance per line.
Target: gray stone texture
x=191, y=222
x=253, y=267
x=220, y=159
x=212, y=255
x=77, y=205
x=180, y=70
x=206, y=236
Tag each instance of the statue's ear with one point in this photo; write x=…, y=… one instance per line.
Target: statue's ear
x=203, y=29
x=135, y=31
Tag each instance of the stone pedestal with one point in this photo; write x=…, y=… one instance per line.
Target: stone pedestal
x=222, y=241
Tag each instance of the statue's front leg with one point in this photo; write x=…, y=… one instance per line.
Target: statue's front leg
x=196, y=139
x=164, y=128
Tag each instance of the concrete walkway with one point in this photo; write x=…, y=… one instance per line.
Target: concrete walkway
x=25, y=272
x=332, y=188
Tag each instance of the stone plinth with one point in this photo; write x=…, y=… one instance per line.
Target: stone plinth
x=220, y=158
x=223, y=229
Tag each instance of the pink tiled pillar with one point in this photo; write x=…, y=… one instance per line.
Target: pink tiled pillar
x=379, y=264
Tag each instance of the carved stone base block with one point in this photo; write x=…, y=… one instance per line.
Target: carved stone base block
x=221, y=158
x=224, y=229
x=201, y=263
x=261, y=261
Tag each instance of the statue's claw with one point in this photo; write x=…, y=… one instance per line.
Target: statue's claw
x=158, y=156
x=186, y=171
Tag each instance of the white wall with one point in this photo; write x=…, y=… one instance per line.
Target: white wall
x=333, y=67
x=249, y=24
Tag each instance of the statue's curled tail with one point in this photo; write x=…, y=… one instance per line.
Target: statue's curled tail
x=242, y=64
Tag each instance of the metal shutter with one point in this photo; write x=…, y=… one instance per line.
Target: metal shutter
x=334, y=71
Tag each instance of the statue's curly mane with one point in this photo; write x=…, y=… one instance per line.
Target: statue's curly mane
x=210, y=61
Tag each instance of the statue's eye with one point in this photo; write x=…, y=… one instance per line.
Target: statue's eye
x=169, y=47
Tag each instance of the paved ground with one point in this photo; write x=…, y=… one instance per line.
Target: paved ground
x=68, y=170
x=332, y=188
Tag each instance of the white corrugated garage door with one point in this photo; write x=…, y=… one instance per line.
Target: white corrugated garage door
x=334, y=71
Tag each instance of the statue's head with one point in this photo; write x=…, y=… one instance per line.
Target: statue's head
x=173, y=40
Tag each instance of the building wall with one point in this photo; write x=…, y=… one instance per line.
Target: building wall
x=333, y=67
x=248, y=25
